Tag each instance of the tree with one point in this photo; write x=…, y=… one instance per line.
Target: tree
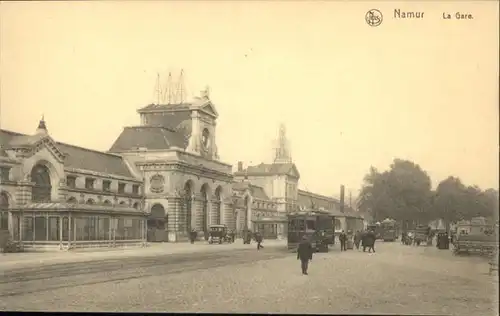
x=401, y=193
x=450, y=200
x=454, y=201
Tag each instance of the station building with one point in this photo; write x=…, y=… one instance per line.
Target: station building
x=158, y=182
x=61, y=196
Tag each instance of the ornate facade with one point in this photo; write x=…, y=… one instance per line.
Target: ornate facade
x=158, y=182
x=186, y=186
x=55, y=195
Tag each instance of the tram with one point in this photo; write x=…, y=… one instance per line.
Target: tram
x=318, y=226
x=389, y=230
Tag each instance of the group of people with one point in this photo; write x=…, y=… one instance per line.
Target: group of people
x=248, y=235
x=193, y=235
x=365, y=238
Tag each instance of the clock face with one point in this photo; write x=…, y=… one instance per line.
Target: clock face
x=205, y=138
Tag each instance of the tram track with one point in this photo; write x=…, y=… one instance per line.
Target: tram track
x=31, y=280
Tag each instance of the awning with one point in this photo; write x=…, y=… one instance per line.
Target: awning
x=65, y=207
x=270, y=220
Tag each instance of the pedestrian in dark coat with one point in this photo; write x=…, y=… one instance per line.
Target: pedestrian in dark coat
x=343, y=240
x=258, y=239
x=192, y=236
x=357, y=239
x=369, y=241
x=304, y=253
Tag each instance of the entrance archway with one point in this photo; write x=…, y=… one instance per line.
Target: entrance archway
x=204, y=209
x=41, y=191
x=188, y=202
x=157, y=223
x=218, y=206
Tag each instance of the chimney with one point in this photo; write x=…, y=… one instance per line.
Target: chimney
x=240, y=166
x=342, y=198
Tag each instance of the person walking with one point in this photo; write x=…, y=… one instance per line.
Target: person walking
x=192, y=235
x=357, y=239
x=304, y=254
x=258, y=239
x=343, y=239
x=232, y=235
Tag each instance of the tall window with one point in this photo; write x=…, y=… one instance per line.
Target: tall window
x=121, y=187
x=106, y=185
x=89, y=183
x=135, y=189
x=188, y=205
x=71, y=181
x=4, y=173
x=204, y=196
x=42, y=188
x=4, y=215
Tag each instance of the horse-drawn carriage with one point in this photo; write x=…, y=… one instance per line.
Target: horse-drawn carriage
x=218, y=234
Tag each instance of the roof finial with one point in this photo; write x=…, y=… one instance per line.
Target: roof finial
x=42, y=127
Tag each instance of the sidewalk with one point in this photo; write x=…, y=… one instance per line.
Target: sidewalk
x=32, y=259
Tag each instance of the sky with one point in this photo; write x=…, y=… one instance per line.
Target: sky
x=351, y=95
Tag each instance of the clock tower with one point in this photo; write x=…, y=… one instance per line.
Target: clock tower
x=202, y=140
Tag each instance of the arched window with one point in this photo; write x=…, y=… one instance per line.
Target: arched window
x=107, y=202
x=136, y=205
x=41, y=191
x=90, y=201
x=204, y=208
x=72, y=200
x=188, y=191
x=122, y=203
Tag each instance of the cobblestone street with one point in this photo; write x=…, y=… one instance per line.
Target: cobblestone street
x=397, y=279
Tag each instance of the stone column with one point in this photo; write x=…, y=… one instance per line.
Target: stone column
x=47, y=232
x=61, y=221
x=196, y=214
x=21, y=228
x=176, y=220
x=214, y=212
x=70, y=230
x=194, y=140
x=209, y=215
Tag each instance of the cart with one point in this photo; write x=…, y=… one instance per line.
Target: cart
x=349, y=244
x=218, y=234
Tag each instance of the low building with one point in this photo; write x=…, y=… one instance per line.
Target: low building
x=61, y=196
x=345, y=217
x=256, y=211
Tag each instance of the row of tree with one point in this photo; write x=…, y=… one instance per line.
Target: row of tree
x=404, y=193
